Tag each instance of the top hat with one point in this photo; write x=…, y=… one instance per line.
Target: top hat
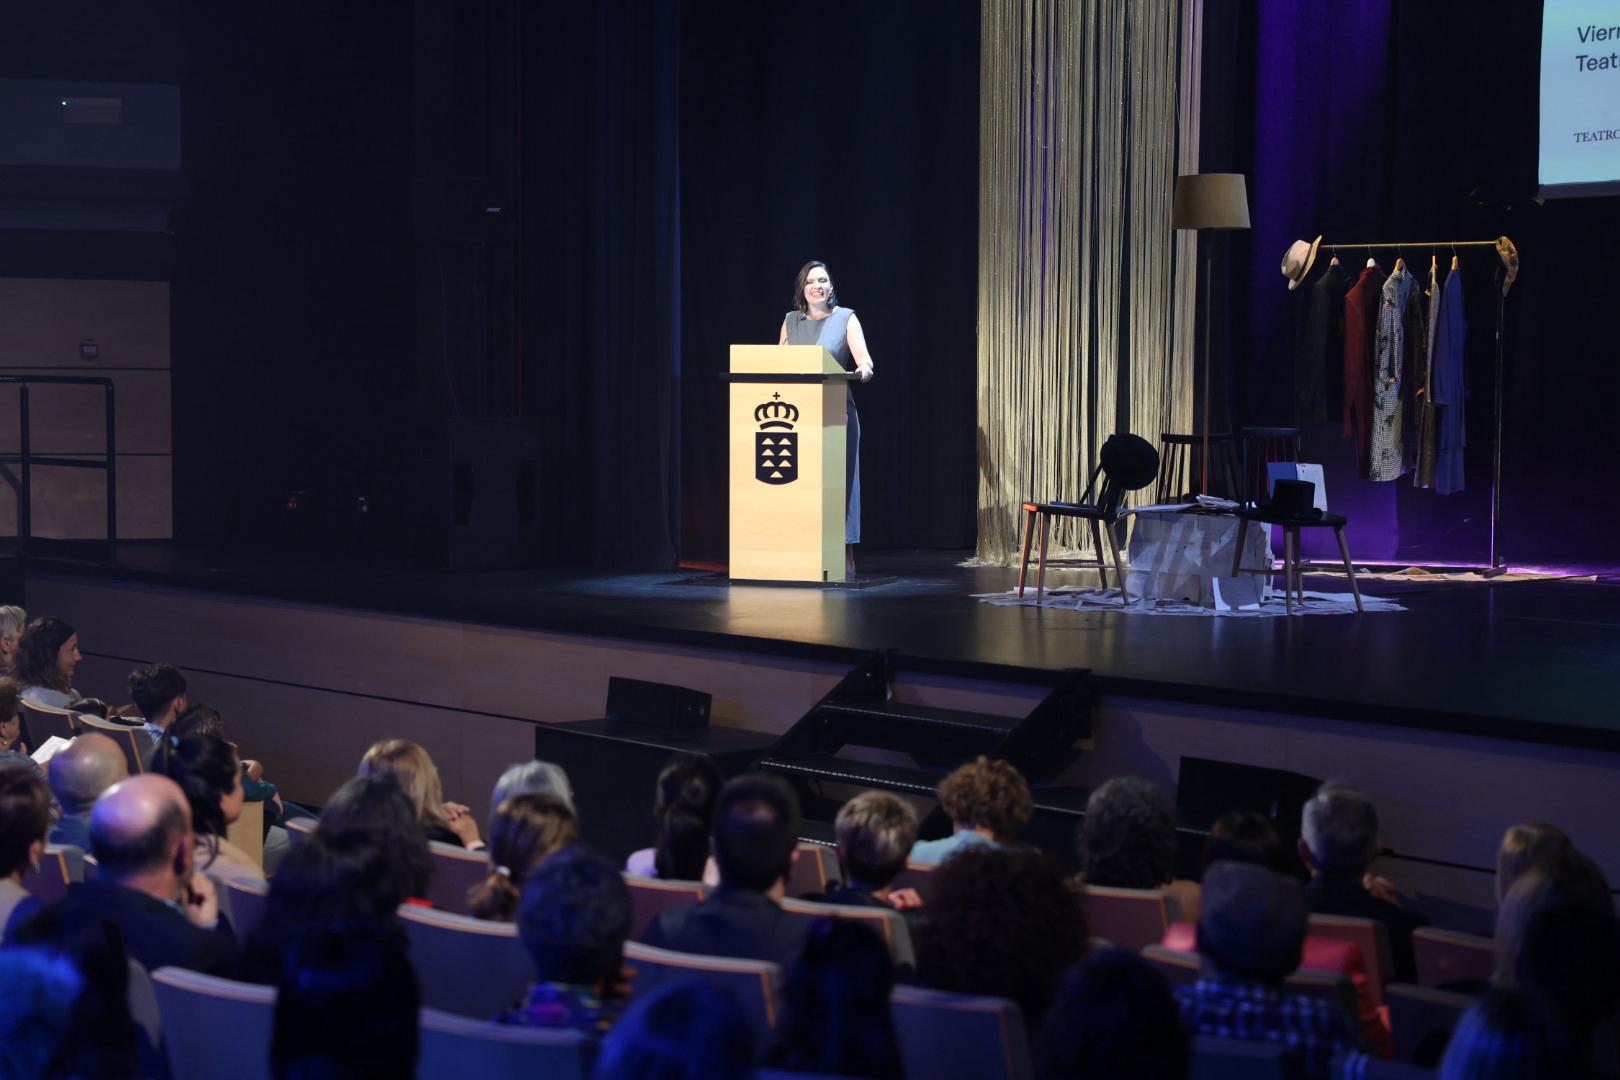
x=1293, y=500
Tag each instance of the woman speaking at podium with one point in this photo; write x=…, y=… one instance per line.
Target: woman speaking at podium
x=816, y=319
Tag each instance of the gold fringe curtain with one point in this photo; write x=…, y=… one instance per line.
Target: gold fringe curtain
x=1086, y=297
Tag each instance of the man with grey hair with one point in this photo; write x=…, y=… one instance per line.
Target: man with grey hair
x=78, y=774
x=1339, y=843
x=12, y=621
x=532, y=778
x=875, y=831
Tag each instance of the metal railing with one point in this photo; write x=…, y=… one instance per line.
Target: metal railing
x=22, y=481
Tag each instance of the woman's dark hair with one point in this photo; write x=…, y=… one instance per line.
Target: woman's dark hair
x=1002, y=922
x=206, y=768
x=1248, y=836
x=799, y=303
x=683, y=808
x=346, y=1007
x=377, y=811
x=836, y=1018
x=37, y=651
x=1114, y=1019
x=684, y=1030
x=198, y=720
x=1510, y=1035
x=575, y=918
x=526, y=829
x=1128, y=839
x=25, y=813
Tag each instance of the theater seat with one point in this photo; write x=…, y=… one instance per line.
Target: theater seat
x=916, y=876
x=1131, y=918
x=1359, y=1066
x=1447, y=958
x=133, y=741
x=1239, y=1059
x=889, y=924
x=454, y=1047
x=40, y=722
x=1371, y=937
x=214, y=1027
x=945, y=1034
x=1421, y=1020
x=650, y=897
x=466, y=966
x=60, y=866
x=455, y=871
x=244, y=905
x=815, y=870
x=751, y=983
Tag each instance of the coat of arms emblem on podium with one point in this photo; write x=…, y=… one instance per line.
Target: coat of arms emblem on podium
x=776, y=444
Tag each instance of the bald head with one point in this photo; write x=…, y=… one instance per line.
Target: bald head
x=89, y=765
x=136, y=824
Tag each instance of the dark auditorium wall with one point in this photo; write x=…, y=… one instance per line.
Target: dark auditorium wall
x=1397, y=121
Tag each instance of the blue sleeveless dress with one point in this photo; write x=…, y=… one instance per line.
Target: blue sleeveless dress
x=831, y=334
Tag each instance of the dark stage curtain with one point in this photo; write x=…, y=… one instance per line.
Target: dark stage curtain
x=845, y=132
x=1399, y=121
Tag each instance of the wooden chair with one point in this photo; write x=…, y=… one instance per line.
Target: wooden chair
x=214, y=1026
x=455, y=871
x=651, y=897
x=60, y=866
x=751, y=983
x=133, y=741
x=1131, y=918
x=815, y=870
x=1448, y=957
x=244, y=905
x=40, y=722
x=1239, y=1059
x=1421, y=1020
x=1260, y=447
x=1371, y=937
x=470, y=967
x=1122, y=468
x=453, y=1047
x=945, y=1034
x=1182, y=473
x=247, y=832
x=888, y=923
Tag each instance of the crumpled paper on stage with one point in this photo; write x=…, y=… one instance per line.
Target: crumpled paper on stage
x=1080, y=598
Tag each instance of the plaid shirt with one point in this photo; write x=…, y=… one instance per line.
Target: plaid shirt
x=1234, y=1008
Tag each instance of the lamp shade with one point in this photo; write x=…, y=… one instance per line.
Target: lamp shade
x=1210, y=201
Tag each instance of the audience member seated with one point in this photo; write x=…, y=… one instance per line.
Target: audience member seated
x=1571, y=956
x=1525, y=847
x=207, y=770
x=408, y=763
x=206, y=720
x=1509, y=1035
x=835, y=1006
x=366, y=858
x=1001, y=922
x=683, y=808
x=1114, y=1019
x=1340, y=842
x=47, y=657
x=686, y=1030
x=1251, y=932
x=159, y=694
x=86, y=767
x=532, y=778
x=988, y=803
x=1128, y=841
x=1249, y=837
x=12, y=745
x=148, y=884
x=875, y=831
x=40, y=991
x=525, y=830
x=1572, y=880
x=574, y=918
x=25, y=817
x=346, y=1008
x=12, y=621
x=756, y=828
x=101, y=1039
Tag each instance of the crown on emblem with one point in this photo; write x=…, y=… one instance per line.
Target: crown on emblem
x=776, y=413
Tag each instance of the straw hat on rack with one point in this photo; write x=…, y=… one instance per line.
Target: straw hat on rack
x=1298, y=260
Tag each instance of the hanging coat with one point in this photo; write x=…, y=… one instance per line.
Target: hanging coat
x=1319, y=347
x=1449, y=391
x=1388, y=458
x=1423, y=392
x=1360, y=331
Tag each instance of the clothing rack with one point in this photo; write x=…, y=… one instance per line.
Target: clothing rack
x=1497, y=565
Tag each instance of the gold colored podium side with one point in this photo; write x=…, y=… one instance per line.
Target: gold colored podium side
x=787, y=464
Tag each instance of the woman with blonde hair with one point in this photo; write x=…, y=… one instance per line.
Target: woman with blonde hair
x=410, y=765
x=525, y=831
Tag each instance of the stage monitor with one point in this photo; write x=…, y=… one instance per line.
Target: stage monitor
x=1580, y=98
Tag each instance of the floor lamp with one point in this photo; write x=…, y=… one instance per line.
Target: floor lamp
x=1205, y=202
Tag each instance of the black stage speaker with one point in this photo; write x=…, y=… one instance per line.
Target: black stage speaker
x=613, y=766
x=656, y=704
x=481, y=502
x=1207, y=789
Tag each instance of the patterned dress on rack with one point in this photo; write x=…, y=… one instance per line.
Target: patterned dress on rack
x=1387, y=460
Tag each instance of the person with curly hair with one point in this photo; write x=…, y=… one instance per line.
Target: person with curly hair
x=988, y=803
x=1001, y=922
x=1128, y=841
x=47, y=656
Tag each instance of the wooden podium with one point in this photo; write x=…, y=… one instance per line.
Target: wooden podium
x=788, y=420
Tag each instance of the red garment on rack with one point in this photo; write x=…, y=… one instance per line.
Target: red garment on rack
x=1360, y=333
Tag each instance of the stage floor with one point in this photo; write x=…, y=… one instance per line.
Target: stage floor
x=1529, y=660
